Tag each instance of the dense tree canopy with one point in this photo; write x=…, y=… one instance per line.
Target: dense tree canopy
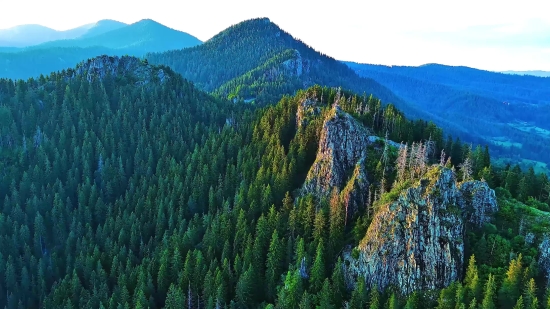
x=121, y=194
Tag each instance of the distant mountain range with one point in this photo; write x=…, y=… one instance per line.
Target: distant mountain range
x=532, y=73
x=257, y=62
x=509, y=112
x=105, y=37
x=29, y=35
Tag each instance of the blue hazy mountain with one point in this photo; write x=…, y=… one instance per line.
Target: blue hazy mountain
x=29, y=35
x=138, y=38
x=509, y=112
x=105, y=37
x=532, y=73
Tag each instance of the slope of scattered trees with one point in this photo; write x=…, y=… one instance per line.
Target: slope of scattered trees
x=114, y=195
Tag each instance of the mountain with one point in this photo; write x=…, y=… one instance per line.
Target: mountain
x=256, y=60
x=124, y=185
x=29, y=35
x=26, y=35
x=33, y=63
x=532, y=73
x=509, y=112
x=101, y=27
x=106, y=37
x=136, y=39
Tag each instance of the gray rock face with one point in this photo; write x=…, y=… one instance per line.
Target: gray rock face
x=479, y=201
x=296, y=66
x=544, y=258
x=100, y=67
x=416, y=242
x=340, y=158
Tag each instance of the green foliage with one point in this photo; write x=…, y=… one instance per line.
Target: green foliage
x=117, y=194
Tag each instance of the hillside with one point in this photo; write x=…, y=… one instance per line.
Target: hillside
x=123, y=185
x=136, y=39
x=253, y=53
x=510, y=113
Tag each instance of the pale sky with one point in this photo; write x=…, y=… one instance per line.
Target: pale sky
x=486, y=34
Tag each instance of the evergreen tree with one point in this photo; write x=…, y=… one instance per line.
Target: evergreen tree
x=489, y=294
x=511, y=287
x=318, y=269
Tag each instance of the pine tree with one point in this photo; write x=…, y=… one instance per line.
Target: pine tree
x=318, y=269
x=519, y=303
x=412, y=301
x=325, y=297
x=175, y=298
x=374, y=298
x=511, y=287
x=489, y=293
x=359, y=296
x=274, y=265
x=530, y=295
x=472, y=284
x=393, y=302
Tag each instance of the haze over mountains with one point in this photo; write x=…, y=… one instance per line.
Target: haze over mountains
x=29, y=35
x=65, y=49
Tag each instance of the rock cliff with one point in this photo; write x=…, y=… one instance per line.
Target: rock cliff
x=100, y=67
x=478, y=201
x=544, y=258
x=340, y=157
x=416, y=242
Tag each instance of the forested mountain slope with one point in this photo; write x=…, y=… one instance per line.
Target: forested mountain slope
x=124, y=186
x=257, y=60
x=510, y=113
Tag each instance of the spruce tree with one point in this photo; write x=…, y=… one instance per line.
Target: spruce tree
x=489, y=294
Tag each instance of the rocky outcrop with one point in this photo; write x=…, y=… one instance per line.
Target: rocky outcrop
x=544, y=258
x=479, y=202
x=416, y=242
x=340, y=158
x=296, y=65
x=100, y=67
x=307, y=110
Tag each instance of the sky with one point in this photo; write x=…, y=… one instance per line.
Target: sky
x=485, y=34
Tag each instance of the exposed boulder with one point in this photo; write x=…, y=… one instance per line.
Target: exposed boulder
x=416, y=242
x=479, y=202
x=340, y=158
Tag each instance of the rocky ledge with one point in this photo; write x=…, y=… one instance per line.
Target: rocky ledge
x=416, y=242
x=341, y=154
x=100, y=67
